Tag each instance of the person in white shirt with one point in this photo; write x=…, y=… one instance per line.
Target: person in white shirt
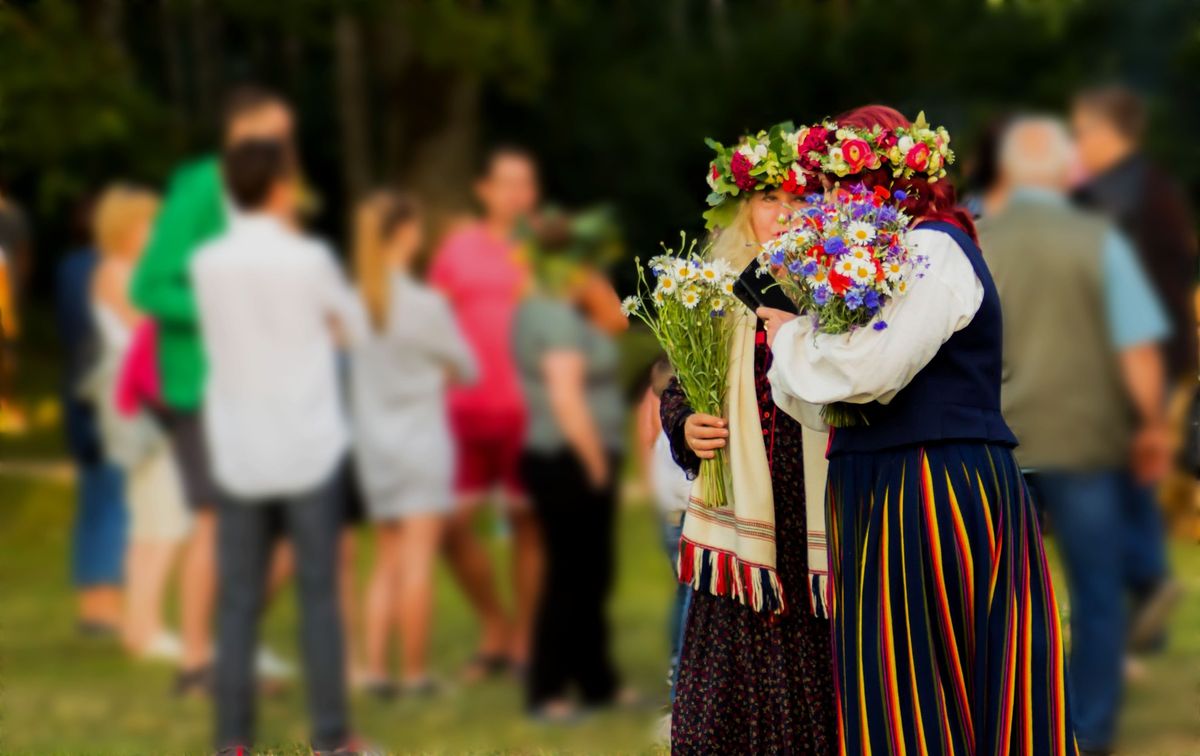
x=273, y=304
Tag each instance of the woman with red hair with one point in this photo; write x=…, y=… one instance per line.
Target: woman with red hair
x=945, y=627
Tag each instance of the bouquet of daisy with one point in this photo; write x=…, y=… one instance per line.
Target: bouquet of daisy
x=844, y=257
x=685, y=303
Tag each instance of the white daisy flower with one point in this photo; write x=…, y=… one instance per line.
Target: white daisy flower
x=659, y=297
x=861, y=232
x=709, y=273
x=690, y=297
x=863, y=273
x=718, y=306
x=683, y=271
x=727, y=286
x=629, y=305
x=667, y=285
x=893, y=270
x=860, y=254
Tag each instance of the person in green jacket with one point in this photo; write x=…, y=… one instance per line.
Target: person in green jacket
x=196, y=210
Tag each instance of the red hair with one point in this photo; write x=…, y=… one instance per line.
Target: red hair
x=932, y=201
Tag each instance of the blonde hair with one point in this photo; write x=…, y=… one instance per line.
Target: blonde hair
x=119, y=210
x=375, y=220
x=736, y=243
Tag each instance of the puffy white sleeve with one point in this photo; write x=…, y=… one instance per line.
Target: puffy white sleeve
x=866, y=365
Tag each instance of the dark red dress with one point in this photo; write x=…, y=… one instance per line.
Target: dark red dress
x=751, y=682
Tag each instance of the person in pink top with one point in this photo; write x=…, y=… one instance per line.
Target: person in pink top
x=478, y=268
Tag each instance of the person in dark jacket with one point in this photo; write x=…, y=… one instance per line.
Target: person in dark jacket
x=1152, y=211
x=98, y=541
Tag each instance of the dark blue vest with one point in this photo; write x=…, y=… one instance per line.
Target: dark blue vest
x=956, y=397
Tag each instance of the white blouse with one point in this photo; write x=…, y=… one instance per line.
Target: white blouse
x=866, y=365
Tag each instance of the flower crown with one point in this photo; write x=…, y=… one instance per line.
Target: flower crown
x=916, y=150
x=768, y=159
x=789, y=159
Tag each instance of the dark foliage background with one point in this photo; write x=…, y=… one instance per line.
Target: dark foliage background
x=614, y=95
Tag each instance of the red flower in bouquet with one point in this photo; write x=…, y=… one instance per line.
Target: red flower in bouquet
x=887, y=139
x=839, y=283
x=739, y=166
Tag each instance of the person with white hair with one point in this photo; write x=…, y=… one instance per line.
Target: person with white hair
x=1084, y=393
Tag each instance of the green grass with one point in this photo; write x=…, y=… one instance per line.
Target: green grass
x=62, y=694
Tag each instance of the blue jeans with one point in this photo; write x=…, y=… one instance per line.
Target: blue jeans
x=98, y=539
x=245, y=533
x=683, y=599
x=1111, y=538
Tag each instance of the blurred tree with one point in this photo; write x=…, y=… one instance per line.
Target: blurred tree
x=614, y=95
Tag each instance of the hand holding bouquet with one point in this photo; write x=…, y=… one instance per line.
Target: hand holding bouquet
x=845, y=256
x=686, y=310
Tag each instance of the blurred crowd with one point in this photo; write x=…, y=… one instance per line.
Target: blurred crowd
x=237, y=407
x=1094, y=256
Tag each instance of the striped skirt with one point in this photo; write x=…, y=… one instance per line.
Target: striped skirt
x=945, y=627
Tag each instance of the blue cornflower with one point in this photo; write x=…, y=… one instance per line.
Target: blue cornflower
x=813, y=199
x=871, y=300
x=859, y=209
x=777, y=257
x=796, y=266
x=887, y=214
x=854, y=299
x=809, y=268
x=880, y=325
x=900, y=195
x=835, y=245
x=859, y=188
x=821, y=295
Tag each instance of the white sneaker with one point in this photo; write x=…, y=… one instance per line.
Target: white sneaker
x=165, y=646
x=271, y=666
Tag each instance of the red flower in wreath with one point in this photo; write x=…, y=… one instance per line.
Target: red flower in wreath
x=740, y=166
x=857, y=154
x=918, y=157
x=794, y=183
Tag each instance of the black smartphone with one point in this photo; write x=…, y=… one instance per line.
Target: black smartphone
x=757, y=290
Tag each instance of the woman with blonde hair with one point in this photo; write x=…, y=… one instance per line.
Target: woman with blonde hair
x=755, y=673
x=404, y=450
x=159, y=519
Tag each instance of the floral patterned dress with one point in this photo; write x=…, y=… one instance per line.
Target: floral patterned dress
x=751, y=682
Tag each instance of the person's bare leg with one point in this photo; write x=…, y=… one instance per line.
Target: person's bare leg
x=101, y=605
x=473, y=569
x=198, y=591
x=381, y=600
x=528, y=563
x=420, y=538
x=148, y=567
x=348, y=588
